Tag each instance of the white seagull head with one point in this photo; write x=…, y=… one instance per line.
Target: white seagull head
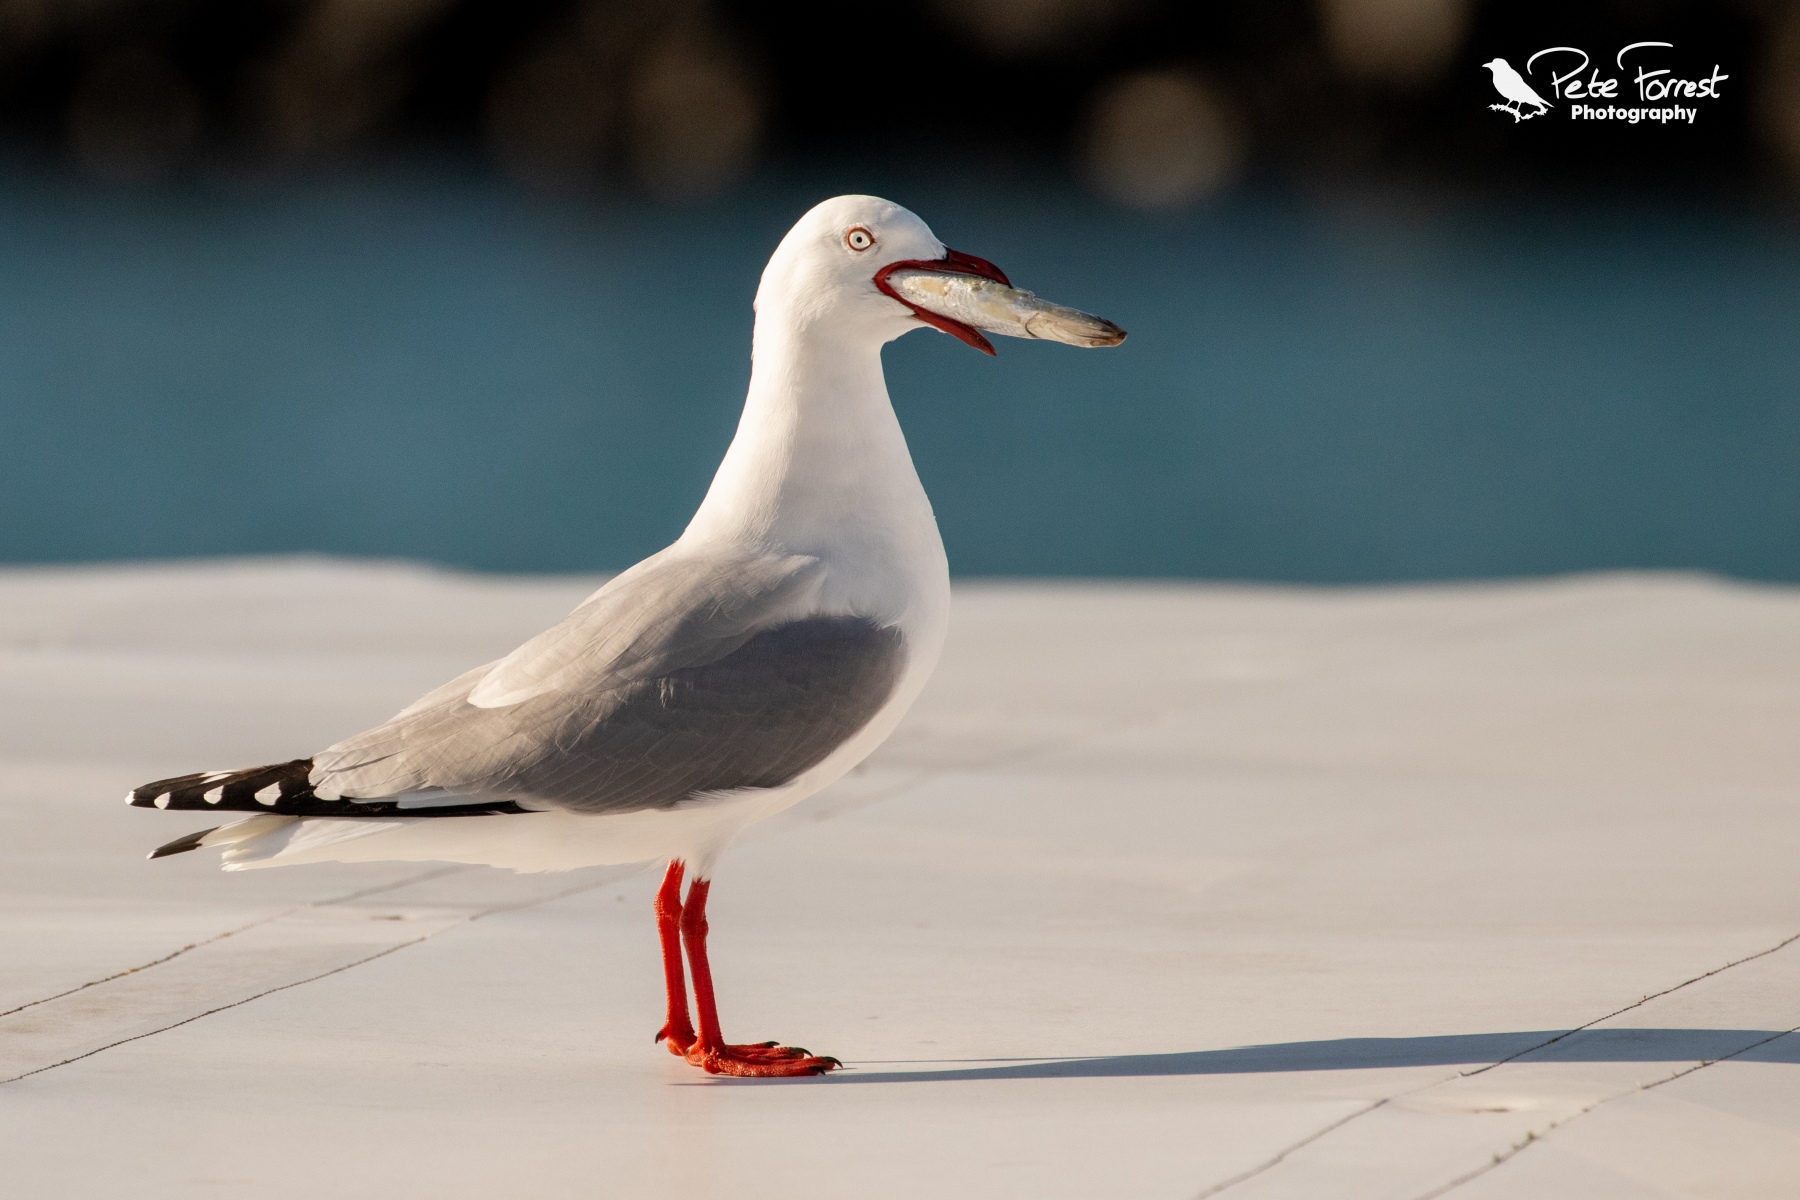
x=864, y=269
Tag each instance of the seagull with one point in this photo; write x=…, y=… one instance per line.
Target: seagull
x=1510, y=84
x=755, y=660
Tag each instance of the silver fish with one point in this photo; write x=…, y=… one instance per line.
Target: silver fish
x=996, y=308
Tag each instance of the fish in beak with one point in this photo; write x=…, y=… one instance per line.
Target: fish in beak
x=963, y=295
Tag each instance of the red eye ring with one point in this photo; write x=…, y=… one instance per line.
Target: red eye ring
x=859, y=239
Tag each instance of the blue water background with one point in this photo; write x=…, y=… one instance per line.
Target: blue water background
x=430, y=363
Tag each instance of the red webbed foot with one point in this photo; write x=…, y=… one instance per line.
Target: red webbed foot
x=681, y=1044
x=767, y=1060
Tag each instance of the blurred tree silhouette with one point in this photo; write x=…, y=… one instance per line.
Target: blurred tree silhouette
x=1154, y=102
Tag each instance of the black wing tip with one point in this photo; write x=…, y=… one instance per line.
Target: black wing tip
x=181, y=845
x=285, y=789
x=243, y=791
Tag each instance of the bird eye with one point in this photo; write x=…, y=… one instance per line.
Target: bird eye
x=859, y=239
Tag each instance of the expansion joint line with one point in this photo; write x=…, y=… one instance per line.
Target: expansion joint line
x=1535, y=1135
x=209, y=1012
x=1308, y=1140
x=468, y=920
x=219, y=937
x=1015, y=756
x=1781, y=945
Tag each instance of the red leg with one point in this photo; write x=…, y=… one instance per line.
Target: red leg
x=678, y=1029
x=710, y=1051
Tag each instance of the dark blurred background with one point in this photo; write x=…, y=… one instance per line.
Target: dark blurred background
x=470, y=281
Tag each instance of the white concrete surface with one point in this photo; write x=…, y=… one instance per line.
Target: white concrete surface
x=1249, y=892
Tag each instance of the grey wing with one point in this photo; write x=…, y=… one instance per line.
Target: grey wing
x=678, y=679
x=757, y=717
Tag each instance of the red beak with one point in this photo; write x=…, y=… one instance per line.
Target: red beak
x=954, y=262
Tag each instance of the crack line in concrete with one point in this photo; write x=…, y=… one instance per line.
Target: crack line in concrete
x=1308, y=1140
x=155, y=962
x=1269, y=1164
x=421, y=877
x=1533, y=1137
x=219, y=937
x=468, y=920
x=1785, y=942
x=1011, y=757
x=136, y=1037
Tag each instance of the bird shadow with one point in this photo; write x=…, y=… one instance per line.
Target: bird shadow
x=1471, y=1050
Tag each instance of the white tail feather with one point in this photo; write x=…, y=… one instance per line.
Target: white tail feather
x=249, y=827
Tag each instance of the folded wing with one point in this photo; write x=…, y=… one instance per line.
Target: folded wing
x=683, y=677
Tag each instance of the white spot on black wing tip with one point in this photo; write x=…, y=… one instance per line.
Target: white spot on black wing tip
x=214, y=796
x=270, y=794
x=162, y=801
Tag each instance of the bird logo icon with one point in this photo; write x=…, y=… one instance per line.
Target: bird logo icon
x=1512, y=86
